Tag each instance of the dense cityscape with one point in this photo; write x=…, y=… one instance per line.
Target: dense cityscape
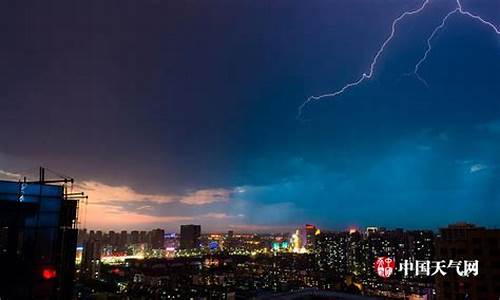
x=197, y=265
x=53, y=259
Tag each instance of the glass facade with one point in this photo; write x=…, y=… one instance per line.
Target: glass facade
x=37, y=237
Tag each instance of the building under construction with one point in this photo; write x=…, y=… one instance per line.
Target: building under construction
x=38, y=234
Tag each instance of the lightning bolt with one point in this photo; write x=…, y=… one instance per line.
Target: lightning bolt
x=477, y=18
x=429, y=46
x=458, y=9
x=461, y=11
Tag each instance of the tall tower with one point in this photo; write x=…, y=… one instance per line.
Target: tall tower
x=190, y=236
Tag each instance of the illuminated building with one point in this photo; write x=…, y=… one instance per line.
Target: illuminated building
x=371, y=230
x=356, y=259
x=303, y=240
x=190, y=236
x=37, y=240
x=311, y=231
x=171, y=242
x=280, y=246
x=213, y=245
x=421, y=245
x=331, y=251
x=137, y=249
x=91, y=258
x=298, y=241
x=79, y=254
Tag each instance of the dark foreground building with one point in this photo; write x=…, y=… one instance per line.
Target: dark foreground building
x=190, y=235
x=467, y=242
x=37, y=241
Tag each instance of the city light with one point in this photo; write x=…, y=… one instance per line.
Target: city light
x=49, y=273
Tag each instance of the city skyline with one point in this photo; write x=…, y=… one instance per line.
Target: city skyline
x=166, y=115
x=270, y=230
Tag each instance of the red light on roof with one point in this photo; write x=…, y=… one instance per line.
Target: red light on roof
x=49, y=273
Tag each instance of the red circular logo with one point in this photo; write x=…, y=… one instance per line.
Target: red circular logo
x=384, y=266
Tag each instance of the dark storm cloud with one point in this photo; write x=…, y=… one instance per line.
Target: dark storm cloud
x=166, y=99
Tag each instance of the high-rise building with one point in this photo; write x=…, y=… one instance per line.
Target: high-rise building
x=461, y=242
x=123, y=240
x=91, y=258
x=99, y=235
x=421, y=244
x=310, y=232
x=134, y=237
x=143, y=237
x=38, y=239
x=356, y=257
x=82, y=236
x=331, y=250
x=113, y=238
x=158, y=239
x=190, y=235
x=229, y=243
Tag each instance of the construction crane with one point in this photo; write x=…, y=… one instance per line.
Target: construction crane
x=80, y=196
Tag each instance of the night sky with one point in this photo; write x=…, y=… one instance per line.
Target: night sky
x=170, y=112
